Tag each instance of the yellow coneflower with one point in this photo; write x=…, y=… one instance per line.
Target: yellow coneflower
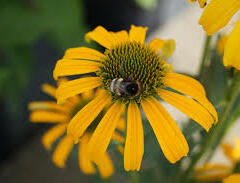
x=215, y=16
x=51, y=112
x=234, y=178
x=131, y=75
x=214, y=172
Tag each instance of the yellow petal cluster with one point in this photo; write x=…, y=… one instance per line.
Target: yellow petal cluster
x=61, y=114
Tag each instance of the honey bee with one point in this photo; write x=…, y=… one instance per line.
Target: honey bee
x=127, y=88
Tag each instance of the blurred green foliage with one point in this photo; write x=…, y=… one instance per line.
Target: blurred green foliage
x=23, y=22
x=147, y=4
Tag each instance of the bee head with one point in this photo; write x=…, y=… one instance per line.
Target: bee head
x=133, y=88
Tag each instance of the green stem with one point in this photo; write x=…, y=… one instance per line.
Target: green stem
x=214, y=138
x=205, y=54
x=134, y=177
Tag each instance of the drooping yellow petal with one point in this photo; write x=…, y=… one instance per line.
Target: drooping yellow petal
x=102, y=37
x=85, y=164
x=212, y=172
x=137, y=34
x=47, y=105
x=48, y=117
x=169, y=136
x=62, y=151
x=67, y=67
x=52, y=135
x=120, y=37
x=87, y=114
x=234, y=178
x=118, y=137
x=49, y=89
x=188, y=106
x=168, y=48
x=192, y=88
x=121, y=125
x=221, y=44
x=104, y=131
x=236, y=150
x=87, y=95
x=83, y=53
x=228, y=150
x=231, y=52
x=120, y=149
x=105, y=166
x=156, y=44
x=217, y=14
x=76, y=86
x=134, y=146
x=180, y=81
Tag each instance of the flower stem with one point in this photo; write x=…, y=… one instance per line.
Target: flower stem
x=134, y=177
x=214, y=138
x=205, y=55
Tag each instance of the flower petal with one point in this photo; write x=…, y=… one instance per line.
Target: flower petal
x=174, y=80
x=188, y=106
x=221, y=44
x=231, y=52
x=202, y=3
x=67, y=67
x=121, y=125
x=156, y=44
x=76, y=86
x=87, y=114
x=47, y=105
x=62, y=151
x=134, y=146
x=169, y=136
x=228, y=151
x=102, y=37
x=192, y=88
x=49, y=89
x=120, y=37
x=234, y=178
x=47, y=117
x=217, y=14
x=52, y=135
x=87, y=95
x=85, y=164
x=104, y=131
x=168, y=48
x=83, y=53
x=137, y=34
x=118, y=137
x=212, y=172
x=105, y=166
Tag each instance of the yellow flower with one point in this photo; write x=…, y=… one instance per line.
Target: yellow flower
x=214, y=17
x=51, y=112
x=234, y=178
x=213, y=172
x=131, y=75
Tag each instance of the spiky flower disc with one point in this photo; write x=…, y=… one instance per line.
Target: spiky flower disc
x=133, y=61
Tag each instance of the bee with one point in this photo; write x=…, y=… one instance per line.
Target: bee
x=128, y=88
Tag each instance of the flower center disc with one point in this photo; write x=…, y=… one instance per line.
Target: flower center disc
x=133, y=61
